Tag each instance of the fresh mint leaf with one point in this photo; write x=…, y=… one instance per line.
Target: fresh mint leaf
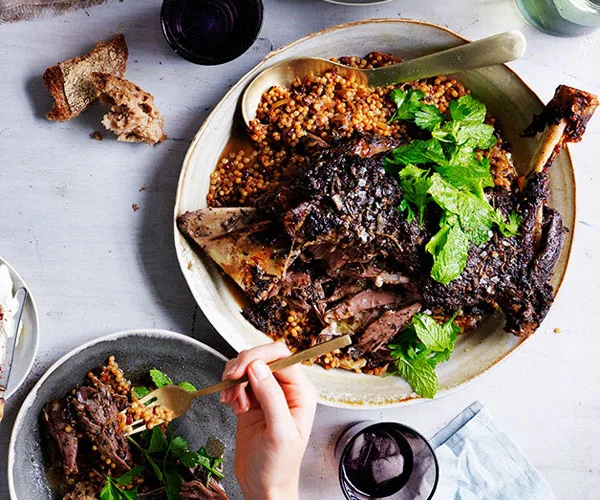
x=159, y=378
x=428, y=117
x=415, y=185
x=155, y=468
x=108, y=493
x=111, y=491
x=405, y=207
x=407, y=103
x=187, y=386
x=158, y=441
x=473, y=175
x=419, y=348
x=398, y=96
x=450, y=249
x=129, y=494
x=172, y=484
x=475, y=135
x=509, y=227
x=140, y=392
x=430, y=332
x=418, y=152
x=420, y=376
x=474, y=214
x=192, y=459
x=467, y=108
x=178, y=446
x=127, y=478
x=169, y=459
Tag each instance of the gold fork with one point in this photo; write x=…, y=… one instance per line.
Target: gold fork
x=178, y=400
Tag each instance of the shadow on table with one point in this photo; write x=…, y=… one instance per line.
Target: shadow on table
x=89, y=121
x=156, y=248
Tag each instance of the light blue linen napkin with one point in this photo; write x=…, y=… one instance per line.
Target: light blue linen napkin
x=479, y=462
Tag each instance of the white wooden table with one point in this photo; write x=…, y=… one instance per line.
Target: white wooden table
x=96, y=266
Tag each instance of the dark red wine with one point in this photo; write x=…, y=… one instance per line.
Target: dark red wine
x=378, y=462
x=211, y=31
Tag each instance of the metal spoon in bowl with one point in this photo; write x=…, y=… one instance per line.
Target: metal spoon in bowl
x=496, y=49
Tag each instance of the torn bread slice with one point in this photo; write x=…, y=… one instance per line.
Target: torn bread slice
x=133, y=117
x=69, y=82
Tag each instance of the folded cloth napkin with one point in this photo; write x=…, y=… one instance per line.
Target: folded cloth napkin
x=15, y=10
x=479, y=462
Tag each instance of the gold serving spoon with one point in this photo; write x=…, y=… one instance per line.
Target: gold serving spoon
x=179, y=400
x=496, y=49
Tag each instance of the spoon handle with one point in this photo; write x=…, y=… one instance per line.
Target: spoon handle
x=496, y=49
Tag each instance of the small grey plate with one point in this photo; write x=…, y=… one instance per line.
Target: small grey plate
x=136, y=351
x=27, y=344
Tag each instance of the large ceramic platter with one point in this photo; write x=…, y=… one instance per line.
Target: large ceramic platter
x=136, y=351
x=508, y=98
x=27, y=343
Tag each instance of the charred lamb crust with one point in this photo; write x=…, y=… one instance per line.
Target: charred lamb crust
x=268, y=316
x=276, y=201
x=348, y=200
x=510, y=273
x=572, y=105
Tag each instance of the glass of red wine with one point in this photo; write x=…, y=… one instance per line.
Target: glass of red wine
x=386, y=460
x=211, y=32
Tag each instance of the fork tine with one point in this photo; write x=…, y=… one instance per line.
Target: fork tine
x=141, y=428
x=148, y=397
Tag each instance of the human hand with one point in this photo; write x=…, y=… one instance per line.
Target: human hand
x=275, y=415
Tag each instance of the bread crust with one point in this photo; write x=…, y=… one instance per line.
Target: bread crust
x=69, y=82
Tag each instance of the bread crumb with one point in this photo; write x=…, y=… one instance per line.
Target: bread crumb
x=189, y=266
x=135, y=207
x=557, y=330
x=96, y=135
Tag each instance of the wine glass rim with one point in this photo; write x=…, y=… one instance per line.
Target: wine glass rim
x=204, y=59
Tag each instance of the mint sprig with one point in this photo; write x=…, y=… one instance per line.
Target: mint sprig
x=169, y=456
x=419, y=348
x=159, y=378
x=112, y=491
x=446, y=170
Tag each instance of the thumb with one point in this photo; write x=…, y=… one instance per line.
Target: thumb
x=269, y=395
